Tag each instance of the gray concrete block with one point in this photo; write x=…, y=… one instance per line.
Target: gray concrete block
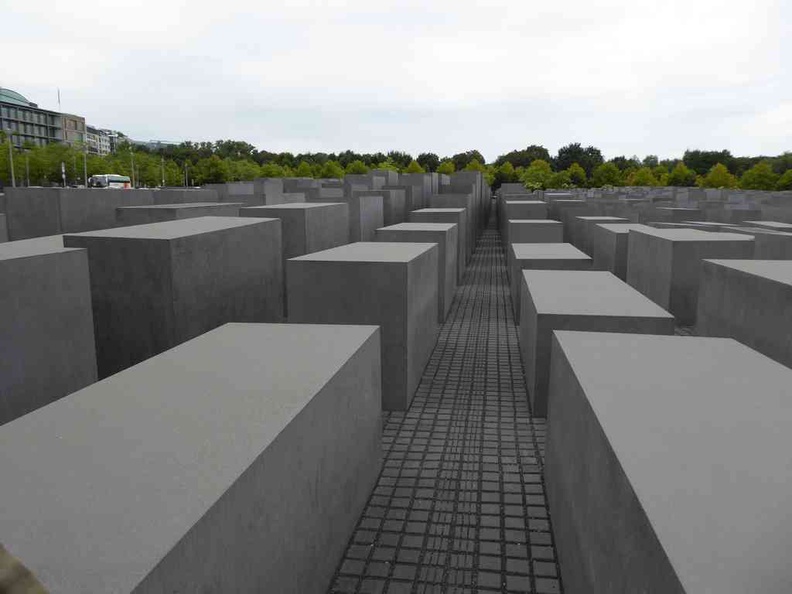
x=675, y=214
x=366, y=214
x=540, y=256
x=156, y=286
x=32, y=212
x=772, y=225
x=393, y=285
x=446, y=237
x=459, y=201
x=183, y=196
x=593, y=301
x=525, y=209
x=750, y=301
x=533, y=231
x=145, y=215
x=609, y=247
x=394, y=207
x=413, y=197
x=3, y=228
x=91, y=209
x=455, y=216
x=46, y=325
x=665, y=264
x=773, y=246
x=237, y=462
x=648, y=488
x=582, y=228
x=713, y=226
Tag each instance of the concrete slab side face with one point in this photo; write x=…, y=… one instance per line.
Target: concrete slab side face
x=292, y=460
x=32, y=212
x=671, y=465
x=585, y=228
x=155, y=286
x=604, y=542
x=3, y=229
x=459, y=201
x=649, y=267
x=372, y=283
x=525, y=209
x=457, y=216
x=609, y=244
x=592, y=301
x=179, y=196
x=445, y=235
x=327, y=227
x=534, y=231
x=750, y=301
x=137, y=215
x=46, y=327
x=775, y=246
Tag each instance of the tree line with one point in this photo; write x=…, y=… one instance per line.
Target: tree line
x=574, y=165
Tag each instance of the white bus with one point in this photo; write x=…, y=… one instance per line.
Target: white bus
x=110, y=181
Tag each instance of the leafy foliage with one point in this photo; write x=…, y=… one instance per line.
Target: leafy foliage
x=759, y=177
x=446, y=167
x=606, y=174
x=524, y=157
x=577, y=175
x=414, y=167
x=588, y=158
x=718, y=177
x=681, y=175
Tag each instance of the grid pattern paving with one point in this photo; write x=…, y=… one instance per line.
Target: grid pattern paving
x=460, y=504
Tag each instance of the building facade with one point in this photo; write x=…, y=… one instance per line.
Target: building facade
x=73, y=129
x=98, y=141
x=27, y=123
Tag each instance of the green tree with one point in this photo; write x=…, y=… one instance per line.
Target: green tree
x=642, y=177
x=332, y=169
x=785, y=181
x=588, y=158
x=703, y=161
x=537, y=175
x=560, y=179
x=681, y=175
x=357, y=167
x=212, y=170
x=577, y=175
x=504, y=174
x=475, y=165
x=759, y=177
x=446, y=167
x=414, y=167
x=606, y=174
x=718, y=177
x=461, y=160
x=272, y=170
x=524, y=157
x=304, y=169
x=429, y=161
x=387, y=164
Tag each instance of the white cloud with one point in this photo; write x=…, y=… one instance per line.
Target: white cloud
x=630, y=77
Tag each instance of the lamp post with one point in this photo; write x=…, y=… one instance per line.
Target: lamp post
x=162, y=168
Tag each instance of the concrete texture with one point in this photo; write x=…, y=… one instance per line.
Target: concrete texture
x=674, y=214
x=238, y=462
x=582, y=228
x=557, y=206
x=460, y=201
x=773, y=246
x=457, y=216
x=156, y=286
x=593, y=301
x=413, y=197
x=772, y=225
x=533, y=231
x=649, y=489
x=394, y=204
x=609, y=246
x=39, y=212
x=525, y=209
x=183, y=196
x=393, y=285
x=3, y=229
x=366, y=214
x=540, y=256
x=46, y=325
x=145, y=215
x=446, y=236
x=750, y=301
x=665, y=264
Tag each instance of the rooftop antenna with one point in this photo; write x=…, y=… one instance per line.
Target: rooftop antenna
x=59, y=103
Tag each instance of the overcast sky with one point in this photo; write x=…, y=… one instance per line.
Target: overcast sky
x=639, y=77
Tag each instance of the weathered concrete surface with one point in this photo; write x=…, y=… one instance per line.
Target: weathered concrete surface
x=672, y=214
x=772, y=225
x=456, y=216
x=593, y=301
x=237, y=462
x=750, y=301
x=156, y=286
x=648, y=488
x=609, y=246
x=533, y=231
x=3, y=229
x=394, y=204
x=665, y=264
x=460, y=201
x=393, y=285
x=582, y=228
x=366, y=214
x=46, y=325
x=446, y=236
x=525, y=209
x=540, y=256
x=183, y=196
x=145, y=215
x=773, y=246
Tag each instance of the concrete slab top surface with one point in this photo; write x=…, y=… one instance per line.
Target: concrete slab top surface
x=292, y=206
x=702, y=428
x=691, y=235
x=775, y=270
x=456, y=210
x=174, y=229
x=535, y=202
x=769, y=225
x=419, y=227
x=567, y=201
x=527, y=251
x=755, y=231
x=38, y=246
x=603, y=219
x=98, y=486
x=622, y=227
x=588, y=293
x=548, y=222
x=708, y=224
x=185, y=206
x=370, y=251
